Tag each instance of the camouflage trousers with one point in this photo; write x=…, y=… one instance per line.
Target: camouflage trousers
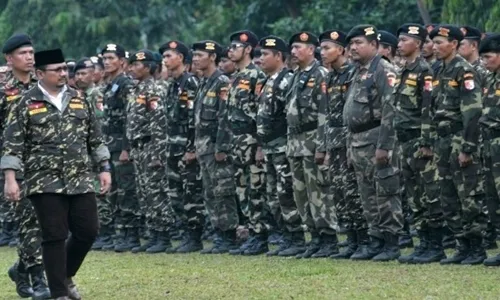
x=7, y=208
x=421, y=186
x=491, y=162
x=219, y=190
x=316, y=209
x=462, y=189
x=279, y=189
x=30, y=235
x=379, y=188
x=184, y=190
x=151, y=190
x=121, y=206
x=251, y=186
x=345, y=191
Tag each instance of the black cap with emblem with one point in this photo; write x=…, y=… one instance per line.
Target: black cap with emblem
x=305, y=38
x=273, y=43
x=413, y=30
x=208, y=46
x=245, y=37
x=177, y=46
x=366, y=30
x=471, y=33
x=114, y=48
x=84, y=63
x=142, y=56
x=336, y=36
x=447, y=31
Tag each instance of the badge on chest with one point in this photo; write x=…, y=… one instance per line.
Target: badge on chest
x=76, y=103
x=36, y=108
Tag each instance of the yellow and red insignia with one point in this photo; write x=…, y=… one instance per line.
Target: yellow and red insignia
x=369, y=31
x=140, y=56
x=172, y=45
x=323, y=87
x=223, y=94
x=469, y=84
x=428, y=86
x=141, y=99
x=76, y=105
x=100, y=106
x=444, y=32
x=413, y=30
x=334, y=35
x=243, y=37
x=304, y=37
x=391, y=79
x=258, y=88
x=209, y=46
x=153, y=103
x=12, y=92
x=36, y=108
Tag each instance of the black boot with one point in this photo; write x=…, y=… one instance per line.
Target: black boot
x=313, y=247
x=117, y=239
x=286, y=242
x=162, y=243
x=217, y=241
x=435, y=250
x=259, y=246
x=477, y=253
x=490, y=238
x=461, y=253
x=329, y=246
x=131, y=241
x=449, y=241
x=419, y=249
x=40, y=289
x=492, y=261
x=296, y=246
x=391, y=248
x=20, y=276
x=247, y=244
x=193, y=242
x=105, y=238
x=153, y=236
x=368, y=247
x=352, y=245
x=7, y=233
x=228, y=242
x=405, y=240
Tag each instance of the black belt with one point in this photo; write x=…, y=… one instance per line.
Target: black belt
x=303, y=128
x=365, y=127
x=448, y=130
x=408, y=135
x=140, y=142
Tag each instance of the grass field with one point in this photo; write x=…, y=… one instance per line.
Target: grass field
x=107, y=276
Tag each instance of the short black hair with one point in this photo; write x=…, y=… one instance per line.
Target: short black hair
x=283, y=54
x=152, y=65
x=393, y=50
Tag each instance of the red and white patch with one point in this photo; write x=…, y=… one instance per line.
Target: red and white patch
x=100, y=106
x=391, y=81
x=153, y=105
x=469, y=84
x=428, y=86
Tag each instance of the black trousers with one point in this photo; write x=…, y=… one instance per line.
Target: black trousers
x=58, y=214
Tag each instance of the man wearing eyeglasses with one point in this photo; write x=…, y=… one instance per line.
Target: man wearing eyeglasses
x=52, y=137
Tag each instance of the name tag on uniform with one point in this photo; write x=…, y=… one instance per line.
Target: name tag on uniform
x=115, y=87
x=497, y=92
x=411, y=82
x=12, y=98
x=211, y=94
x=36, y=108
x=76, y=105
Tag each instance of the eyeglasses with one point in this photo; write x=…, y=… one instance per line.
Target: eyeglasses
x=58, y=70
x=236, y=46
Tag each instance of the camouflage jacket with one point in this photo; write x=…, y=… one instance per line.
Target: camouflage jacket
x=435, y=65
x=370, y=121
x=413, y=99
x=457, y=102
x=116, y=95
x=491, y=104
x=306, y=104
x=54, y=148
x=94, y=95
x=210, y=118
x=337, y=82
x=242, y=104
x=180, y=114
x=146, y=120
x=483, y=74
x=271, y=115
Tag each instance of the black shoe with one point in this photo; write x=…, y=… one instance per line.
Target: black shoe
x=313, y=247
x=217, y=240
x=328, y=246
x=490, y=244
x=14, y=243
x=461, y=253
x=492, y=261
x=275, y=237
x=227, y=244
x=368, y=247
x=193, y=242
x=449, y=241
x=391, y=249
x=162, y=243
x=477, y=254
x=8, y=233
x=153, y=236
x=295, y=246
x=259, y=246
x=419, y=249
x=40, y=289
x=434, y=252
x=405, y=241
x=247, y=244
x=20, y=276
x=352, y=245
x=131, y=241
x=105, y=238
x=73, y=293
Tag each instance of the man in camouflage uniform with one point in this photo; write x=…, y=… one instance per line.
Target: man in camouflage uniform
x=271, y=131
x=388, y=45
x=29, y=270
x=213, y=145
x=344, y=187
x=413, y=98
x=490, y=125
x=368, y=115
x=121, y=207
x=227, y=66
x=146, y=132
x=183, y=172
x=242, y=108
x=457, y=108
x=428, y=51
x=306, y=148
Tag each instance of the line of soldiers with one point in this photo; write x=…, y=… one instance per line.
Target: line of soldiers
x=378, y=128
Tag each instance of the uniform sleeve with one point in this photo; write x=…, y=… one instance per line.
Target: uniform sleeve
x=95, y=140
x=426, y=130
x=322, y=100
x=471, y=108
x=157, y=122
x=4, y=114
x=385, y=82
x=127, y=91
x=14, y=137
x=191, y=88
x=223, y=137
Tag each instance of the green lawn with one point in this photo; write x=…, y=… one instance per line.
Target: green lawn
x=107, y=276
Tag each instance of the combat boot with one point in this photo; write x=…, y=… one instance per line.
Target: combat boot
x=193, y=242
x=368, y=247
x=228, y=242
x=419, y=249
x=40, y=289
x=118, y=239
x=15, y=241
x=285, y=243
x=352, y=245
x=275, y=237
x=296, y=246
x=259, y=246
x=153, y=236
x=435, y=251
x=7, y=233
x=131, y=241
x=105, y=238
x=462, y=252
x=313, y=247
x=490, y=238
x=328, y=246
x=391, y=248
x=477, y=253
x=162, y=243
x=492, y=261
x=73, y=292
x=217, y=241
x=449, y=241
x=20, y=276
x=247, y=244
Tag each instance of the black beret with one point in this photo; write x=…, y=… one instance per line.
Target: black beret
x=490, y=44
x=368, y=31
x=471, y=33
x=387, y=38
x=305, y=38
x=336, y=36
x=176, y=46
x=84, y=63
x=273, y=43
x=16, y=41
x=257, y=52
x=142, y=55
x=114, y=48
x=447, y=31
x=413, y=30
x=246, y=37
x=431, y=27
x=48, y=57
x=225, y=53
x=208, y=46
x=158, y=57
